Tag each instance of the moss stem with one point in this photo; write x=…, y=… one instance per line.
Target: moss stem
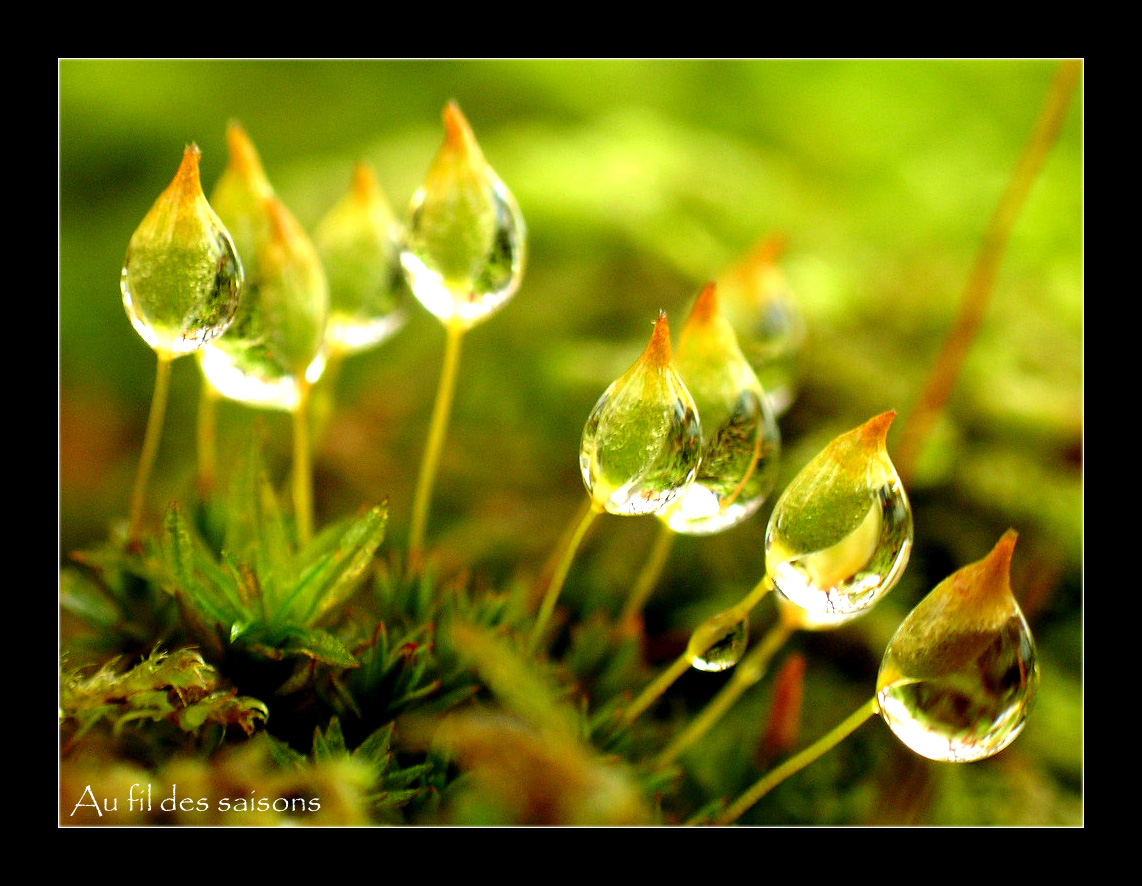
x=151, y=440
x=574, y=540
x=302, y=465
x=798, y=762
x=438, y=429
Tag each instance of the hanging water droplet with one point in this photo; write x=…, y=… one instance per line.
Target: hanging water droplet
x=182, y=279
x=771, y=330
x=642, y=443
x=465, y=237
x=719, y=643
x=959, y=676
x=277, y=341
x=840, y=535
x=741, y=442
x=358, y=240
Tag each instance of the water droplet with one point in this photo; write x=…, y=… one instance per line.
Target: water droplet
x=959, y=676
x=182, y=279
x=642, y=443
x=358, y=240
x=841, y=533
x=741, y=442
x=762, y=309
x=465, y=237
x=277, y=341
x=719, y=643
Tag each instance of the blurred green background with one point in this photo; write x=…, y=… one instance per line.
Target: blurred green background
x=640, y=180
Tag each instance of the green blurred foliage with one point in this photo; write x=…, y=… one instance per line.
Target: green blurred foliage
x=640, y=180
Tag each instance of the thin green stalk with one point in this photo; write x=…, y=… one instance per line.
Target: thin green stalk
x=302, y=466
x=798, y=762
x=437, y=431
x=705, y=636
x=647, y=579
x=560, y=575
x=151, y=439
x=207, y=436
x=746, y=673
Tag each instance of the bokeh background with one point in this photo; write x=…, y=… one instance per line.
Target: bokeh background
x=640, y=180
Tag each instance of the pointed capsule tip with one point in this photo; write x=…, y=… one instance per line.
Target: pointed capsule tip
x=1004, y=549
x=658, y=350
x=456, y=126
x=243, y=157
x=876, y=428
x=365, y=184
x=187, y=175
x=706, y=305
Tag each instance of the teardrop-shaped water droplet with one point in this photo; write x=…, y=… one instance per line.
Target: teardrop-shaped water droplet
x=741, y=442
x=278, y=339
x=465, y=237
x=761, y=307
x=182, y=279
x=840, y=535
x=358, y=240
x=642, y=443
x=719, y=643
x=959, y=676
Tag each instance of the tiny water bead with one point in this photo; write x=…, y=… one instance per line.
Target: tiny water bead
x=358, y=240
x=719, y=643
x=959, y=677
x=182, y=279
x=741, y=441
x=277, y=343
x=642, y=444
x=465, y=238
x=761, y=307
x=840, y=535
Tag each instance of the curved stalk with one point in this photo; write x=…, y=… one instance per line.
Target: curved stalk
x=437, y=431
x=798, y=762
x=151, y=440
x=977, y=292
x=302, y=466
x=647, y=579
x=560, y=575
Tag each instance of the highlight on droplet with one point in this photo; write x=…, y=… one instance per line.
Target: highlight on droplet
x=840, y=535
x=465, y=238
x=182, y=279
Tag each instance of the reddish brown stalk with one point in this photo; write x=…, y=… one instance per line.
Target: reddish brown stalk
x=942, y=380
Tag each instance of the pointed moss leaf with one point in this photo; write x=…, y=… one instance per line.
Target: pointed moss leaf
x=330, y=744
x=197, y=578
x=335, y=575
x=319, y=645
x=375, y=749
